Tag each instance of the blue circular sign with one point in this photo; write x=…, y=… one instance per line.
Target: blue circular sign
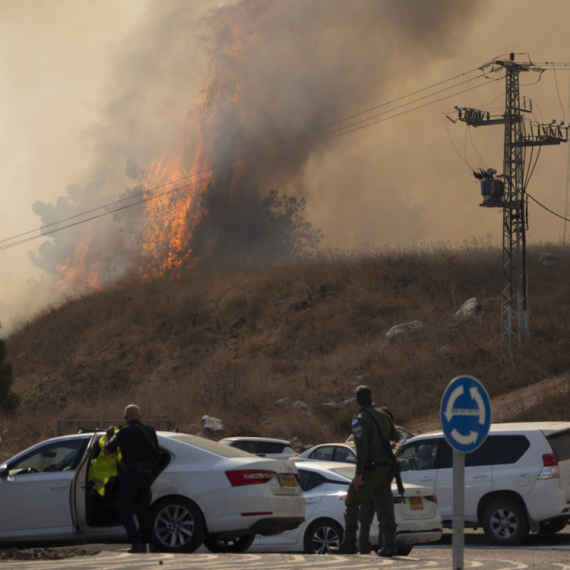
x=465, y=414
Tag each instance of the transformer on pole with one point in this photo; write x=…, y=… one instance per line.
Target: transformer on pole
x=507, y=191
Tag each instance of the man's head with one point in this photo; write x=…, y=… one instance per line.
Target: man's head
x=363, y=396
x=132, y=412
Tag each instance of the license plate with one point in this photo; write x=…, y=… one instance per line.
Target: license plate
x=416, y=504
x=288, y=481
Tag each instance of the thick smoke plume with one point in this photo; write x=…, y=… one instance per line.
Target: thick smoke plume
x=194, y=90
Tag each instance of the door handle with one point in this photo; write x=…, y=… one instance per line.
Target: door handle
x=426, y=478
x=480, y=476
x=64, y=486
x=310, y=501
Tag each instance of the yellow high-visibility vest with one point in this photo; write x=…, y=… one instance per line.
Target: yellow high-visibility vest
x=104, y=467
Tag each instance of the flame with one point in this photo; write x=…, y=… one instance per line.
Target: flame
x=172, y=216
x=73, y=273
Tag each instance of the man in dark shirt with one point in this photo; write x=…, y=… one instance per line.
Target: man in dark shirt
x=373, y=430
x=139, y=446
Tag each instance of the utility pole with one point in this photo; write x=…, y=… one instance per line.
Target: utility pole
x=566, y=211
x=507, y=191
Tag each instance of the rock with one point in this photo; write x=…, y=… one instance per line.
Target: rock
x=237, y=324
x=445, y=353
x=546, y=259
x=296, y=443
x=405, y=329
x=298, y=405
x=282, y=403
x=212, y=426
x=329, y=408
x=351, y=402
x=469, y=310
x=194, y=429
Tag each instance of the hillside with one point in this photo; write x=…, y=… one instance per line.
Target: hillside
x=230, y=343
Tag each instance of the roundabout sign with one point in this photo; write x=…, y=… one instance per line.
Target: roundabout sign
x=465, y=414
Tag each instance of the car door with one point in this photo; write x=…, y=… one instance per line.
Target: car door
x=35, y=495
x=419, y=462
x=478, y=481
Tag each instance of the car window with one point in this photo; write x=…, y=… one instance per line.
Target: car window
x=344, y=455
x=419, y=456
x=248, y=446
x=324, y=453
x=478, y=458
x=309, y=480
x=269, y=447
x=56, y=456
x=560, y=443
x=507, y=449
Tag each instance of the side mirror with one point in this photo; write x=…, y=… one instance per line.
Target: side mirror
x=4, y=472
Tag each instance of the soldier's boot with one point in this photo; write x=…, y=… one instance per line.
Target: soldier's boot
x=344, y=548
x=364, y=546
x=389, y=548
x=138, y=548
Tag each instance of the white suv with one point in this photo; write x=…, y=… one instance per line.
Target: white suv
x=517, y=481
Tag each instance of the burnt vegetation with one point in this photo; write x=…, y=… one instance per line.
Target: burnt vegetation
x=231, y=342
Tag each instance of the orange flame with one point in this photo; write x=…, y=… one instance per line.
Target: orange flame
x=73, y=274
x=172, y=216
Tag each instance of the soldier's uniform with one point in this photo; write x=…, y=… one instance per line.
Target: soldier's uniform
x=139, y=448
x=372, y=462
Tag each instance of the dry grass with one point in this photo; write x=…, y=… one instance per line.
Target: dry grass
x=170, y=346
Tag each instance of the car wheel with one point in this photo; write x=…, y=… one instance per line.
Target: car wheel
x=227, y=545
x=505, y=522
x=552, y=526
x=177, y=525
x=321, y=535
x=404, y=551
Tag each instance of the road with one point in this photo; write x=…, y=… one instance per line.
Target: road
x=537, y=552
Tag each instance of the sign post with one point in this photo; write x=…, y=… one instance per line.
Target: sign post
x=465, y=416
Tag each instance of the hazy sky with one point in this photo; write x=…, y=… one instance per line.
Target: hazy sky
x=86, y=82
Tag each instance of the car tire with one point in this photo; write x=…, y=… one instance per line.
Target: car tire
x=177, y=525
x=404, y=551
x=505, y=522
x=229, y=545
x=552, y=526
x=321, y=535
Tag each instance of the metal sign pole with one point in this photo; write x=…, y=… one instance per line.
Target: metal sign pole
x=458, y=537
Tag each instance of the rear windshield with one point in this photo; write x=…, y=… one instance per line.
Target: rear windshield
x=347, y=471
x=211, y=446
x=560, y=443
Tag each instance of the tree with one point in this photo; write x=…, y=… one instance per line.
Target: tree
x=8, y=400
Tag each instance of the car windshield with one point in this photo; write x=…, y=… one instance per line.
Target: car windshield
x=211, y=446
x=347, y=471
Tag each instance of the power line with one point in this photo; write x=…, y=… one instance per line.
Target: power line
x=547, y=209
x=299, y=146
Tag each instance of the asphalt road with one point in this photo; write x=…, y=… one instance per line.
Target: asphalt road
x=537, y=552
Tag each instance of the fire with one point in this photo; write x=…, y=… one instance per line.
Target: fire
x=74, y=274
x=172, y=217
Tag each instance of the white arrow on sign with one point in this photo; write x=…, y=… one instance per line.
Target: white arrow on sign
x=477, y=397
x=464, y=439
x=451, y=402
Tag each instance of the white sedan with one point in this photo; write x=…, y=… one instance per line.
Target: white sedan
x=338, y=452
x=325, y=485
x=205, y=492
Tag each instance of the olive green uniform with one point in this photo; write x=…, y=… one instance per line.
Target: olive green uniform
x=372, y=462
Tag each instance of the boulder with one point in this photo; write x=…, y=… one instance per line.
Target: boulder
x=329, y=408
x=445, y=353
x=282, y=403
x=405, y=329
x=469, y=310
x=212, y=426
x=296, y=443
x=298, y=405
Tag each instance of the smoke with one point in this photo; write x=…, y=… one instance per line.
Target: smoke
x=225, y=83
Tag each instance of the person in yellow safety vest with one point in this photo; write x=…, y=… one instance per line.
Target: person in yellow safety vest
x=104, y=467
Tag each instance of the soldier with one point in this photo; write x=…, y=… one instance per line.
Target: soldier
x=139, y=448
x=373, y=430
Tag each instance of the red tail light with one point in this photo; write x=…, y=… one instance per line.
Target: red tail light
x=550, y=469
x=397, y=500
x=432, y=498
x=249, y=476
x=549, y=460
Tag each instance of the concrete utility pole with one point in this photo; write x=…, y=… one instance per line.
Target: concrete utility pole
x=507, y=191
